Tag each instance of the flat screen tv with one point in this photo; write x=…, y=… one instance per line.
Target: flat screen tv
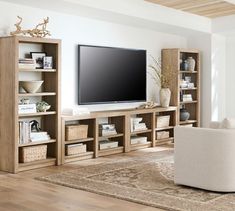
x=108, y=75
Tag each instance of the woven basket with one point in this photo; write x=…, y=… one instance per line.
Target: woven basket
x=29, y=154
x=163, y=134
x=162, y=121
x=75, y=149
x=73, y=132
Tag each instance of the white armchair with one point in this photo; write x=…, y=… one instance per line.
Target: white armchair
x=205, y=158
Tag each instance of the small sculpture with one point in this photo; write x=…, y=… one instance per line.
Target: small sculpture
x=42, y=106
x=35, y=126
x=39, y=31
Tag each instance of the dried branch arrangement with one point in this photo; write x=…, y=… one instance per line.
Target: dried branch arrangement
x=156, y=74
x=39, y=31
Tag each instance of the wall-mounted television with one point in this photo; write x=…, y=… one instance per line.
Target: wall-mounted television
x=110, y=75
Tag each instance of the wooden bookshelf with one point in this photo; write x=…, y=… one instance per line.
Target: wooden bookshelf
x=12, y=48
x=122, y=121
x=171, y=66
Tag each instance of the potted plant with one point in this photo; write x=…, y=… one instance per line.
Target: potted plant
x=161, y=80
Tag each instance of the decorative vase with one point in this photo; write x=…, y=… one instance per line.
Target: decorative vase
x=184, y=65
x=184, y=114
x=191, y=63
x=165, y=96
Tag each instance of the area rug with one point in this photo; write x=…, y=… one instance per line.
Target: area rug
x=147, y=180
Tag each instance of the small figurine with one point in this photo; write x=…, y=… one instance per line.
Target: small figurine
x=35, y=126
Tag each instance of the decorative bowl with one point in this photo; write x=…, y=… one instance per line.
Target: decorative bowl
x=30, y=86
x=42, y=106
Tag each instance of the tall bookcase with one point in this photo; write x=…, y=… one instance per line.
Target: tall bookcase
x=11, y=49
x=171, y=67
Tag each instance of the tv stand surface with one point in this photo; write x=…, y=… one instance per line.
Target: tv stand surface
x=122, y=121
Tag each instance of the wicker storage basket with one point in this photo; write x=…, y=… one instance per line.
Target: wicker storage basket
x=163, y=121
x=73, y=132
x=29, y=154
x=74, y=149
x=163, y=134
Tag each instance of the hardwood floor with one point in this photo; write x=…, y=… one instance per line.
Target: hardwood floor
x=22, y=192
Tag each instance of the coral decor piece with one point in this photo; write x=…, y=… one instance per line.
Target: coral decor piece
x=39, y=31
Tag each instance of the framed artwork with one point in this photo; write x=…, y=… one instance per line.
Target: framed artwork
x=38, y=57
x=47, y=62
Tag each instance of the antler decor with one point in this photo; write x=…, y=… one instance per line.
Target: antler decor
x=39, y=31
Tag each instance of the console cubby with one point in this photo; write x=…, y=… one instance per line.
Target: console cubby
x=89, y=141
x=122, y=121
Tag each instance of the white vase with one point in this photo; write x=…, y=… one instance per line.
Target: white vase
x=191, y=63
x=165, y=96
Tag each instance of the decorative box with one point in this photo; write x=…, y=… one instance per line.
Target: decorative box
x=163, y=134
x=138, y=139
x=106, y=144
x=74, y=149
x=29, y=154
x=27, y=108
x=73, y=132
x=162, y=121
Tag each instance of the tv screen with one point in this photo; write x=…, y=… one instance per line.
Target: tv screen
x=108, y=75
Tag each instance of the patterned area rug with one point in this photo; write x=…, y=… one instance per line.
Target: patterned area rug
x=147, y=180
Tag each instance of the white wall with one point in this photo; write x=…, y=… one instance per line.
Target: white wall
x=75, y=30
x=203, y=43
x=230, y=76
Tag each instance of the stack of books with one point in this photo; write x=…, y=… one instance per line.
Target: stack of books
x=187, y=98
x=24, y=132
x=137, y=125
x=25, y=63
x=138, y=139
x=107, y=129
x=26, y=136
x=39, y=136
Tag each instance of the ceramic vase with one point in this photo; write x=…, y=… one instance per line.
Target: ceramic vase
x=165, y=96
x=191, y=63
x=184, y=114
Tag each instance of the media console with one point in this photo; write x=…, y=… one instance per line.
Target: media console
x=122, y=121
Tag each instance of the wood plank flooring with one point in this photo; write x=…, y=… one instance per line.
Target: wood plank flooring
x=21, y=192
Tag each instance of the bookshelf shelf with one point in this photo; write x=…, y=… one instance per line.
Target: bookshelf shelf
x=164, y=141
x=141, y=131
x=81, y=156
x=111, y=136
x=140, y=146
x=36, y=164
x=188, y=72
x=110, y=151
x=188, y=102
x=188, y=89
x=37, y=94
x=79, y=141
x=164, y=128
x=37, y=143
x=37, y=114
x=38, y=70
x=188, y=122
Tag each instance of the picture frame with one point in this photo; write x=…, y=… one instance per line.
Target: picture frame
x=38, y=57
x=47, y=62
